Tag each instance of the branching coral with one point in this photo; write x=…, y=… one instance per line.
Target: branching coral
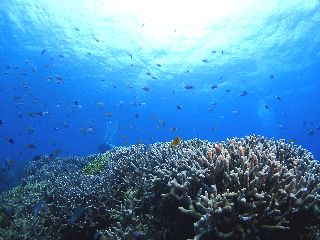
x=244, y=188
x=97, y=165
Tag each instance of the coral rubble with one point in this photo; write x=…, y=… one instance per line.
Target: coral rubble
x=243, y=188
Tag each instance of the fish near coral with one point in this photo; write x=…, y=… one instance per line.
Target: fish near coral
x=210, y=154
x=176, y=141
x=218, y=149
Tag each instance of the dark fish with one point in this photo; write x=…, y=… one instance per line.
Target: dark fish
x=179, y=107
x=36, y=158
x=278, y=98
x=30, y=145
x=271, y=76
x=266, y=106
x=243, y=93
x=205, y=60
x=159, y=65
x=213, y=51
x=146, y=89
x=104, y=147
x=189, y=87
x=148, y=73
x=10, y=140
x=77, y=29
x=56, y=152
x=1, y=122
x=37, y=208
x=228, y=90
x=214, y=86
x=75, y=102
x=43, y=51
x=61, y=55
x=77, y=213
x=136, y=115
x=97, y=40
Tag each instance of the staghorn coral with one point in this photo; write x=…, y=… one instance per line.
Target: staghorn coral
x=244, y=188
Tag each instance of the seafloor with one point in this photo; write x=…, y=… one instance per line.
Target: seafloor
x=244, y=188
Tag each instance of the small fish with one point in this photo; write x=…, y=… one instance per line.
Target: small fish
x=77, y=29
x=161, y=123
x=1, y=122
x=173, y=129
x=243, y=93
x=158, y=65
x=34, y=114
x=10, y=140
x=187, y=71
x=228, y=90
x=36, y=158
x=278, y=98
x=179, y=107
x=146, y=89
x=56, y=152
x=136, y=115
x=87, y=130
x=176, y=141
x=205, y=60
x=213, y=51
x=189, y=87
x=109, y=114
x=100, y=105
x=271, y=76
x=43, y=51
x=61, y=55
x=97, y=40
x=291, y=140
x=77, y=213
x=266, y=106
x=148, y=73
x=31, y=145
x=214, y=86
x=235, y=112
x=310, y=132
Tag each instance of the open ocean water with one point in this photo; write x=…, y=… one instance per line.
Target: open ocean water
x=80, y=77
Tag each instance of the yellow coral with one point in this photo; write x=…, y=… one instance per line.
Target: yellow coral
x=97, y=165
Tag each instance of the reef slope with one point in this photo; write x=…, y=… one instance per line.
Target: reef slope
x=243, y=188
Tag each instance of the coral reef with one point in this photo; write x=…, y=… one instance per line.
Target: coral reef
x=243, y=188
x=97, y=165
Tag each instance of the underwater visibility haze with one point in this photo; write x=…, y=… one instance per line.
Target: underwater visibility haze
x=86, y=86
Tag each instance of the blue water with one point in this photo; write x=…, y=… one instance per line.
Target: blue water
x=78, y=73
